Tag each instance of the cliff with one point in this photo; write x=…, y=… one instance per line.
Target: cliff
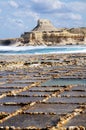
x=81, y=30
x=46, y=34
x=44, y=25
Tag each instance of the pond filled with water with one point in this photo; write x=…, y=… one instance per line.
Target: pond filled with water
x=57, y=108
x=79, y=100
x=80, y=120
x=20, y=99
x=25, y=120
x=8, y=108
x=64, y=81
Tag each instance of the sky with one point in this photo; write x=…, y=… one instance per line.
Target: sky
x=19, y=16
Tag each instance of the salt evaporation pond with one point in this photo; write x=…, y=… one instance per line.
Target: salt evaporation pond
x=64, y=81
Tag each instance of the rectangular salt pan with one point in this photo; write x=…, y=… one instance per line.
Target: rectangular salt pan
x=25, y=120
x=35, y=93
x=17, y=99
x=45, y=88
x=4, y=90
x=67, y=100
x=79, y=120
x=55, y=108
x=62, y=82
x=8, y=85
x=73, y=93
x=8, y=108
x=79, y=88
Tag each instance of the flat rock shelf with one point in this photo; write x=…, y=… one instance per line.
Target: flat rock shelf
x=43, y=92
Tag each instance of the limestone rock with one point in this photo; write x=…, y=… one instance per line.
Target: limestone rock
x=44, y=25
x=46, y=34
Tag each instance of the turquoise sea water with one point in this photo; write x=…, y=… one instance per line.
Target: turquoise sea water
x=42, y=49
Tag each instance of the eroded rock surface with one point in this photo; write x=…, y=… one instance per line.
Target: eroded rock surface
x=46, y=34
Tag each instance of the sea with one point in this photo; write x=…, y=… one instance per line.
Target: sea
x=42, y=49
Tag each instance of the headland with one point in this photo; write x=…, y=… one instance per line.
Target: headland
x=45, y=33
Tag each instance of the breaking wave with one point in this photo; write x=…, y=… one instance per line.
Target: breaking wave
x=42, y=49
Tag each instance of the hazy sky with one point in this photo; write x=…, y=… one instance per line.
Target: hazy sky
x=18, y=16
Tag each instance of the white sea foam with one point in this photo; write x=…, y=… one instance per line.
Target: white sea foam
x=22, y=48
x=42, y=49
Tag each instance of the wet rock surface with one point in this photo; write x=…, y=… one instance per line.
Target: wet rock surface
x=43, y=92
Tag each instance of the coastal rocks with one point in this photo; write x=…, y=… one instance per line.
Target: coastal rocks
x=46, y=34
x=11, y=42
x=72, y=65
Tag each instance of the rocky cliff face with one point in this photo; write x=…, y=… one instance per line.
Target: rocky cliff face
x=44, y=25
x=46, y=34
x=81, y=30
